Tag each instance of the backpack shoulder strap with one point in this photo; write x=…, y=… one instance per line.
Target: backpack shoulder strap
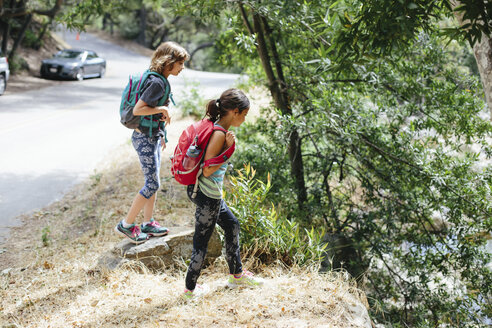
x=219, y=128
x=224, y=156
x=221, y=158
x=167, y=88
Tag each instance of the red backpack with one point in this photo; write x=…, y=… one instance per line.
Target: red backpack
x=186, y=163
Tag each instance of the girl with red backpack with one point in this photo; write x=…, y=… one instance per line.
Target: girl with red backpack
x=229, y=110
x=168, y=59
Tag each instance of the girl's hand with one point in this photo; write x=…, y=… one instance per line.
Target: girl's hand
x=163, y=143
x=230, y=139
x=165, y=115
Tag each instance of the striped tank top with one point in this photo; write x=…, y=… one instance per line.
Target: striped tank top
x=212, y=186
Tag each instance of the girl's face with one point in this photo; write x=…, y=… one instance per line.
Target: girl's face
x=239, y=117
x=177, y=68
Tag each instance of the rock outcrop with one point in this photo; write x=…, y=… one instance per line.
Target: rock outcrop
x=160, y=252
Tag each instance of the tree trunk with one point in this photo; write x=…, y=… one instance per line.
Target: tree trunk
x=200, y=47
x=5, y=36
x=143, y=26
x=105, y=21
x=483, y=56
x=165, y=31
x=20, y=36
x=278, y=91
x=42, y=33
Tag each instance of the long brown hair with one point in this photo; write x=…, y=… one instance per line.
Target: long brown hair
x=229, y=100
x=167, y=54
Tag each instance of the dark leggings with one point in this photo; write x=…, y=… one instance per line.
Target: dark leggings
x=210, y=211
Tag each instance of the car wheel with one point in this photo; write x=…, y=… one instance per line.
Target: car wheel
x=102, y=71
x=3, y=84
x=80, y=74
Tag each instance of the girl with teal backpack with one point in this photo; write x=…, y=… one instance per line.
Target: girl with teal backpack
x=144, y=109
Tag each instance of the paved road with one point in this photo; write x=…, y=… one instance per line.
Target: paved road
x=53, y=138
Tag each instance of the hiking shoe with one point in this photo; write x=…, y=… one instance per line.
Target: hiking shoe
x=247, y=279
x=198, y=292
x=132, y=232
x=154, y=229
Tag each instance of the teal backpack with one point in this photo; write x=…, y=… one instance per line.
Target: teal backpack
x=130, y=97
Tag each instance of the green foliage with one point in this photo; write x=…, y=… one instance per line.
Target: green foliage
x=191, y=103
x=393, y=151
x=45, y=236
x=95, y=179
x=368, y=29
x=264, y=233
x=18, y=64
x=31, y=40
x=391, y=164
x=130, y=29
x=76, y=15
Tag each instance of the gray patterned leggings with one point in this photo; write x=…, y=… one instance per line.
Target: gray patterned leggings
x=210, y=211
x=149, y=154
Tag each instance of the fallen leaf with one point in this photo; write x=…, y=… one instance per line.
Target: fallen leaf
x=148, y=300
x=48, y=265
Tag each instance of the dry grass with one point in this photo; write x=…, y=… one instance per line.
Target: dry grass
x=57, y=283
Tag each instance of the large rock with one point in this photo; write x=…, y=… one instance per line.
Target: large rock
x=161, y=252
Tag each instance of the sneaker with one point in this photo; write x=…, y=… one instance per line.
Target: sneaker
x=198, y=292
x=132, y=232
x=247, y=279
x=154, y=229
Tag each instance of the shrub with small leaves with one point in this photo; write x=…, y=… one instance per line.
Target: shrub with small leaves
x=264, y=232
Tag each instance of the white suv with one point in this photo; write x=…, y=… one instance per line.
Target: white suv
x=4, y=73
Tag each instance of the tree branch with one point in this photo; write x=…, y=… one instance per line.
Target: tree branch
x=245, y=19
x=19, y=12
x=51, y=12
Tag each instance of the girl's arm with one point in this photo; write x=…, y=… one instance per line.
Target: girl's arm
x=217, y=144
x=142, y=108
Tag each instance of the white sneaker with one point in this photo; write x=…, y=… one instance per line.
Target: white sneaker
x=247, y=279
x=198, y=292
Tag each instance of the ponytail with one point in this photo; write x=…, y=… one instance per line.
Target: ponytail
x=229, y=100
x=214, y=111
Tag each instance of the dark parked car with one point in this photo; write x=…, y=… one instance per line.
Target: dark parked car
x=4, y=73
x=73, y=64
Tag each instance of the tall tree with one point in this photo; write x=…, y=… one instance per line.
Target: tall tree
x=272, y=65
x=465, y=13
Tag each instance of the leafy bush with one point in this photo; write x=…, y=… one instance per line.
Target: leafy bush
x=264, y=233
x=191, y=102
x=398, y=164
x=31, y=40
x=18, y=64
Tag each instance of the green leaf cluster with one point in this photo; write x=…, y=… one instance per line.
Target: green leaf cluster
x=265, y=233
